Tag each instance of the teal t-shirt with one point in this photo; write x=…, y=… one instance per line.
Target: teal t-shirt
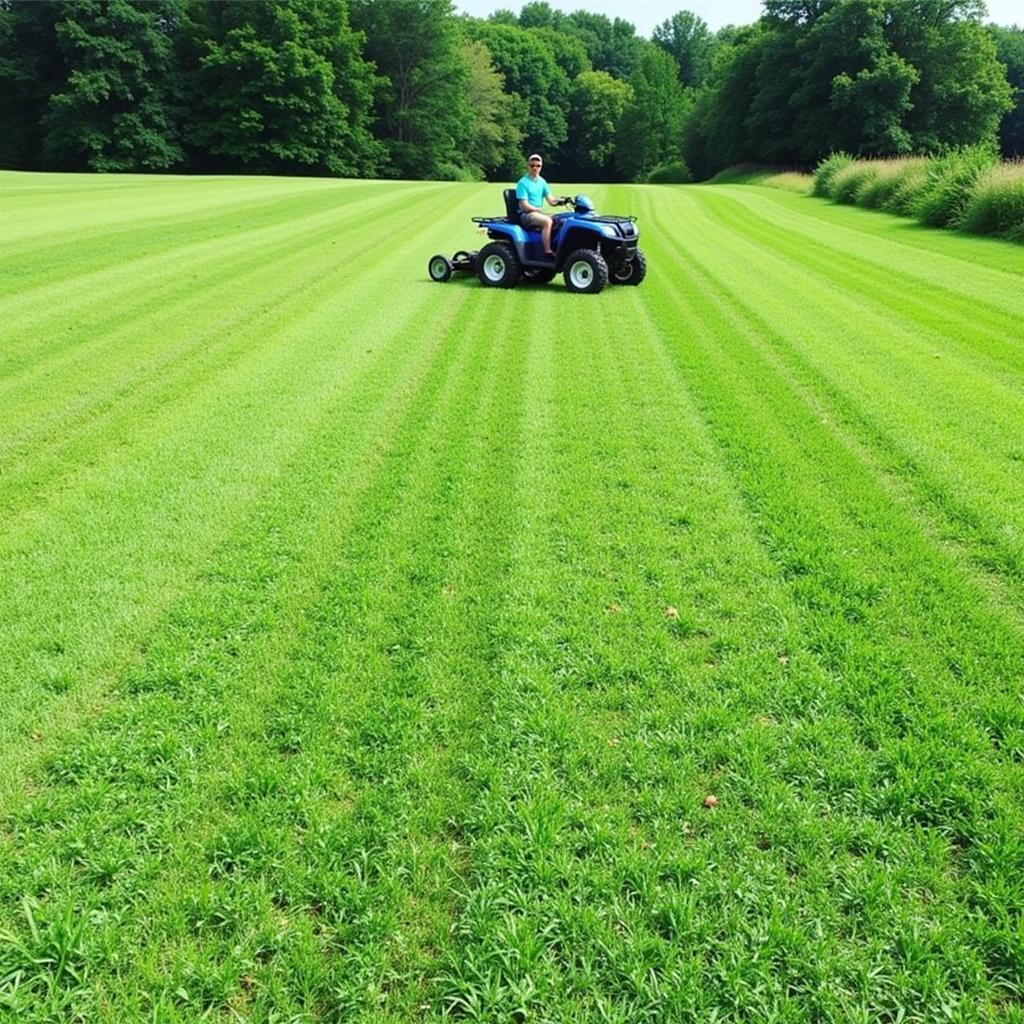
x=532, y=191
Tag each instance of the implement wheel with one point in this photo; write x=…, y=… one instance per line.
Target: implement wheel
x=439, y=268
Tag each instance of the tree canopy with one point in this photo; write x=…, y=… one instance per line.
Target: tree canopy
x=281, y=88
x=1009, y=44
x=411, y=88
x=870, y=77
x=689, y=41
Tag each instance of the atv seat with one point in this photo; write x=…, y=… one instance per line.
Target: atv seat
x=511, y=206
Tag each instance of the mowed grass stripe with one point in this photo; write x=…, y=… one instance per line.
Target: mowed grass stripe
x=978, y=335
x=140, y=224
x=408, y=731
x=188, y=345
x=578, y=806
x=897, y=239
x=51, y=204
x=775, y=383
x=326, y=687
x=927, y=669
x=916, y=432
x=155, y=288
x=196, y=513
x=143, y=513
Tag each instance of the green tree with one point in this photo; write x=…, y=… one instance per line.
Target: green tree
x=611, y=45
x=493, y=140
x=281, y=87
x=962, y=92
x=797, y=12
x=689, y=41
x=533, y=75
x=105, y=98
x=715, y=132
x=876, y=77
x=650, y=129
x=597, y=102
x=422, y=108
x=569, y=52
x=846, y=89
x=870, y=108
x=1010, y=51
x=30, y=72
x=539, y=14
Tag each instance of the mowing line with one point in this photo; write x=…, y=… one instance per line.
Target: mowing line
x=910, y=593
x=981, y=532
x=214, y=350
x=158, y=282
x=198, y=696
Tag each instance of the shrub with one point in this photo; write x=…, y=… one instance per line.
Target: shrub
x=996, y=207
x=456, y=172
x=907, y=189
x=950, y=183
x=965, y=188
x=674, y=172
x=848, y=182
x=889, y=180
x=827, y=170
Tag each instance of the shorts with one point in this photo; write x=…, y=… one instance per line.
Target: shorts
x=533, y=220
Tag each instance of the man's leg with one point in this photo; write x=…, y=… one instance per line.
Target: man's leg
x=536, y=221
x=545, y=235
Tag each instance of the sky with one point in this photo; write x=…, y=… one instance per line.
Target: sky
x=645, y=14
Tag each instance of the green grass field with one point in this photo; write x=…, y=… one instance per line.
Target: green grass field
x=369, y=646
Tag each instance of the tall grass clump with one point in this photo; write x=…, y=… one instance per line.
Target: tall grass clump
x=826, y=171
x=965, y=189
x=798, y=182
x=895, y=184
x=951, y=181
x=996, y=206
x=848, y=182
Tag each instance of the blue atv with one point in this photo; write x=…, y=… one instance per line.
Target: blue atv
x=590, y=250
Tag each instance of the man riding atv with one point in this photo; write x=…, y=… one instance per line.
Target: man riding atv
x=531, y=191
x=590, y=250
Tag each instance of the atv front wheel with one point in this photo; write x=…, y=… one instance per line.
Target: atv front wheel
x=586, y=271
x=439, y=268
x=631, y=272
x=498, y=266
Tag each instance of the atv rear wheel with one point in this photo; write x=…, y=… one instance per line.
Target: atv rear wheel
x=498, y=266
x=632, y=272
x=586, y=271
x=439, y=268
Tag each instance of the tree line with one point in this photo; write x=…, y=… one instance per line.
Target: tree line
x=410, y=89
x=867, y=77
